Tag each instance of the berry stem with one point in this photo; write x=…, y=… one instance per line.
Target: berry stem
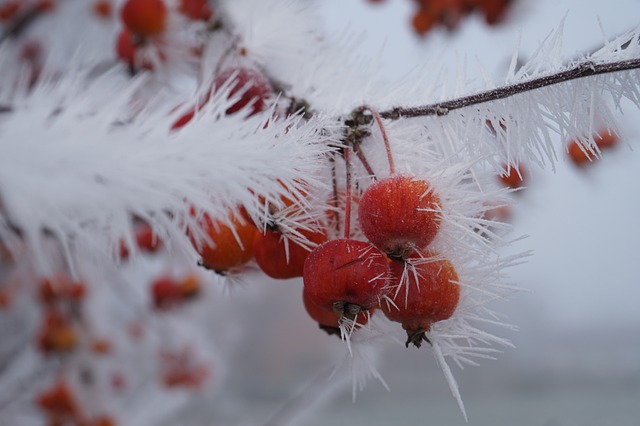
x=385, y=138
x=363, y=159
x=347, y=208
x=581, y=70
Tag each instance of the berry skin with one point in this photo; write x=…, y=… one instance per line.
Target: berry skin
x=271, y=255
x=513, y=177
x=429, y=295
x=399, y=214
x=255, y=87
x=232, y=246
x=144, y=17
x=346, y=276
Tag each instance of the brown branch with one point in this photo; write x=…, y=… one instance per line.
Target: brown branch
x=581, y=70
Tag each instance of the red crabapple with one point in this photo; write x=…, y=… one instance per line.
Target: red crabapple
x=427, y=292
x=144, y=17
x=271, y=255
x=399, y=214
x=231, y=246
x=346, y=276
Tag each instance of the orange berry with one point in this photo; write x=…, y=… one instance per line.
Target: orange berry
x=579, y=154
x=514, y=176
x=232, y=245
x=189, y=286
x=144, y=17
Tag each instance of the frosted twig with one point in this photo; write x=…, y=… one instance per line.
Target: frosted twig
x=581, y=70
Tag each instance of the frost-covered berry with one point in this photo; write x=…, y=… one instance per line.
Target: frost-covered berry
x=399, y=214
x=426, y=291
x=254, y=88
x=346, y=276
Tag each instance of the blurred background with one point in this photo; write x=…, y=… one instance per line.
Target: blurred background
x=577, y=355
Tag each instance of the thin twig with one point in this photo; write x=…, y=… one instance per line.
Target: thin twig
x=581, y=70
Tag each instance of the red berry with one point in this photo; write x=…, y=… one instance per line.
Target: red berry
x=254, y=87
x=514, y=176
x=126, y=48
x=166, y=293
x=232, y=245
x=103, y=9
x=428, y=292
x=399, y=214
x=146, y=239
x=196, y=10
x=346, y=276
x=271, y=255
x=144, y=17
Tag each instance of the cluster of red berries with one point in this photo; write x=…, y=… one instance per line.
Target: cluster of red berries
x=448, y=13
x=347, y=279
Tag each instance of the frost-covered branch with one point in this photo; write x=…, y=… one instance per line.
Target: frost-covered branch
x=581, y=70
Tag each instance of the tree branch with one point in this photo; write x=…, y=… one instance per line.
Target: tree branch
x=584, y=69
